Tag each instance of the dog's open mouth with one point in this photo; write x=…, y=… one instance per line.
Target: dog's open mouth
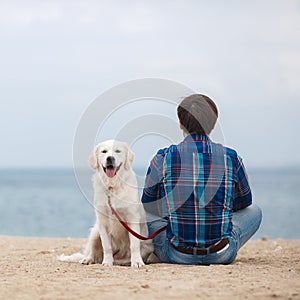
x=111, y=170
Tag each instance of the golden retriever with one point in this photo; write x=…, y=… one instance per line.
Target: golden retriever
x=109, y=242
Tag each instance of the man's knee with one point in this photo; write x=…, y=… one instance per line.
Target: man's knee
x=257, y=213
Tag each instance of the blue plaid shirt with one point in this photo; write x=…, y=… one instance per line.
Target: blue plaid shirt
x=196, y=185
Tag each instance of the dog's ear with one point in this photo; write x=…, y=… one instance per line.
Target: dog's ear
x=93, y=158
x=129, y=159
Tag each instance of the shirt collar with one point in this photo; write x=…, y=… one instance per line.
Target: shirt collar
x=197, y=138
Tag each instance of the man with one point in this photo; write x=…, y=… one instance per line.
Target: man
x=200, y=191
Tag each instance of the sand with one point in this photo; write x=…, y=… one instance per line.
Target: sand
x=30, y=270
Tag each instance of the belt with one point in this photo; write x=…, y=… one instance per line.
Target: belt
x=204, y=251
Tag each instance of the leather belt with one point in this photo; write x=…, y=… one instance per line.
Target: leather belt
x=203, y=251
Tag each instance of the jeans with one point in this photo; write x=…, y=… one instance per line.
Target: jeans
x=245, y=223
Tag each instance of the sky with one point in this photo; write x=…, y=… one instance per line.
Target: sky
x=56, y=57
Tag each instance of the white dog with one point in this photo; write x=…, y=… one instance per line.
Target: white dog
x=109, y=242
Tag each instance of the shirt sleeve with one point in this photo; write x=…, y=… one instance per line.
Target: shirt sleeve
x=152, y=188
x=242, y=195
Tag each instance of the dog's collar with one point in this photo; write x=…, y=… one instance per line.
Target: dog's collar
x=109, y=192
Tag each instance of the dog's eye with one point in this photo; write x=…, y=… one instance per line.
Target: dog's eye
x=118, y=151
x=104, y=151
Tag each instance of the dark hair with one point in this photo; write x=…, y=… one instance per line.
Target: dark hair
x=197, y=114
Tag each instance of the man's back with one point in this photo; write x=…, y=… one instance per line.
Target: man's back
x=197, y=186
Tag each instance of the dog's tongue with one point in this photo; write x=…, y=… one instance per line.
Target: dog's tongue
x=110, y=172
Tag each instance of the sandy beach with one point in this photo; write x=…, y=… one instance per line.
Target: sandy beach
x=30, y=270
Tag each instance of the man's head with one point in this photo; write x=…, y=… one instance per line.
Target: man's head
x=197, y=114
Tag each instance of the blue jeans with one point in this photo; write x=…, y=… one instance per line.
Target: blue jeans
x=245, y=224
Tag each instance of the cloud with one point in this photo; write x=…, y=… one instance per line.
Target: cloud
x=56, y=56
x=19, y=15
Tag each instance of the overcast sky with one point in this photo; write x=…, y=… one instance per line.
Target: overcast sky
x=58, y=56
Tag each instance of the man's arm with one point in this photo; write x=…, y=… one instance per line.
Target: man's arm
x=242, y=195
x=152, y=192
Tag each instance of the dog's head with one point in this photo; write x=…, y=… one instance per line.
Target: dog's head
x=110, y=157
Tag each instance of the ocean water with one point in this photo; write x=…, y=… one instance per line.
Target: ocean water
x=49, y=203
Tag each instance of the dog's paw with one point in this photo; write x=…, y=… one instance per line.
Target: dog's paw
x=107, y=261
x=107, y=264
x=87, y=261
x=137, y=264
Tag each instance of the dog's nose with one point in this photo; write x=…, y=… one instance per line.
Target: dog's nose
x=110, y=160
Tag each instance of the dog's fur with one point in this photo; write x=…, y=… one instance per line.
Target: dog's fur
x=109, y=242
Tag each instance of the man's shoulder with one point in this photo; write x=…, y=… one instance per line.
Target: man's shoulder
x=231, y=152
x=161, y=154
x=164, y=151
x=218, y=148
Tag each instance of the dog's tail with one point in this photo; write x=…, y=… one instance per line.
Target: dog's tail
x=76, y=257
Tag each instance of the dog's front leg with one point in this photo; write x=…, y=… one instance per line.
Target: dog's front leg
x=135, y=248
x=106, y=246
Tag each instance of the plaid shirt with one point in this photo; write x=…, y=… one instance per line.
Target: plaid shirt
x=196, y=185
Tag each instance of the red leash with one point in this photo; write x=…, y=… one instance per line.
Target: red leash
x=137, y=235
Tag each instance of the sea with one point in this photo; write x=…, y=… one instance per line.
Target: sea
x=50, y=203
